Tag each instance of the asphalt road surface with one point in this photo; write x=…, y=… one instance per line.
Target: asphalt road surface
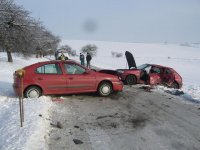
x=130, y=120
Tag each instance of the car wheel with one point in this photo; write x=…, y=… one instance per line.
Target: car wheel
x=33, y=92
x=130, y=80
x=174, y=85
x=105, y=89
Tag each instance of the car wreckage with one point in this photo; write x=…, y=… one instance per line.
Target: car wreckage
x=150, y=74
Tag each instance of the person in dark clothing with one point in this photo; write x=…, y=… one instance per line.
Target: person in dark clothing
x=56, y=55
x=82, y=58
x=146, y=78
x=88, y=58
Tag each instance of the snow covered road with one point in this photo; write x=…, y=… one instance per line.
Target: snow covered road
x=133, y=119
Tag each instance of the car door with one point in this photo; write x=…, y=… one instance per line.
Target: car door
x=155, y=75
x=50, y=78
x=168, y=77
x=79, y=79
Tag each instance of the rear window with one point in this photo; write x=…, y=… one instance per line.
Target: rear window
x=49, y=69
x=155, y=70
x=167, y=71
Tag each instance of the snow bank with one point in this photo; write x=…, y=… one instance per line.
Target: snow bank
x=31, y=135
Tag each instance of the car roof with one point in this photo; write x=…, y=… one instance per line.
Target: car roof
x=55, y=61
x=49, y=62
x=160, y=66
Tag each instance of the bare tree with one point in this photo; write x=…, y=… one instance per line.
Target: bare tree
x=116, y=54
x=20, y=33
x=92, y=49
x=69, y=50
x=13, y=22
x=45, y=40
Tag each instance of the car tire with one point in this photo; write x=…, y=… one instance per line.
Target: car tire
x=105, y=89
x=130, y=80
x=175, y=85
x=33, y=92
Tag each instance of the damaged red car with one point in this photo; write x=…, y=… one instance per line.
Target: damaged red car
x=150, y=74
x=63, y=77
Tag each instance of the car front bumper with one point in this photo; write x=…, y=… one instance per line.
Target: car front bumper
x=118, y=86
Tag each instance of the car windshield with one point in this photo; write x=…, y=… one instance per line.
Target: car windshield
x=74, y=69
x=142, y=67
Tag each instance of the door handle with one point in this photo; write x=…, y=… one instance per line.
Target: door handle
x=40, y=78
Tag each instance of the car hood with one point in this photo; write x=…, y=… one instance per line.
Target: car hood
x=130, y=60
x=112, y=72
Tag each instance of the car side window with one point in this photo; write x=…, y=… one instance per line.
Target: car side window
x=155, y=70
x=74, y=69
x=49, y=69
x=167, y=71
x=147, y=69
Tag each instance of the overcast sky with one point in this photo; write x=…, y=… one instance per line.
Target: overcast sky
x=119, y=20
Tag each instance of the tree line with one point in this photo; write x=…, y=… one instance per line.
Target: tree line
x=21, y=33
x=89, y=48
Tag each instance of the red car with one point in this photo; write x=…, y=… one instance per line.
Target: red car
x=150, y=74
x=63, y=77
x=147, y=74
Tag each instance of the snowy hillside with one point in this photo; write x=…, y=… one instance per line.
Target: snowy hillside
x=186, y=60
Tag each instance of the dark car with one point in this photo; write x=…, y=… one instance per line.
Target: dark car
x=151, y=74
x=63, y=77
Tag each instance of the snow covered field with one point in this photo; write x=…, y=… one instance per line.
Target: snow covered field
x=184, y=59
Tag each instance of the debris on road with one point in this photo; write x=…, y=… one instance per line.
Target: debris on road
x=58, y=125
x=77, y=141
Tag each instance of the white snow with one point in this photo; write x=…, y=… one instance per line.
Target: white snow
x=31, y=135
x=184, y=59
